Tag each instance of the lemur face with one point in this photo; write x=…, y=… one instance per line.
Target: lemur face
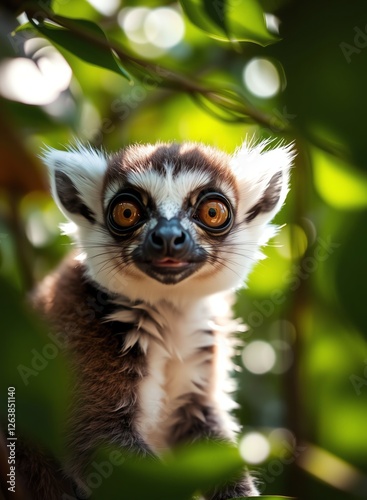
x=170, y=208
x=170, y=215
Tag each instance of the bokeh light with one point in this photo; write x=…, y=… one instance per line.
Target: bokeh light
x=164, y=27
x=258, y=357
x=254, y=448
x=292, y=241
x=284, y=356
x=152, y=32
x=24, y=81
x=41, y=219
x=281, y=436
x=132, y=21
x=261, y=77
x=105, y=7
x=37, y=79
x=272, y=23
x=284, y=330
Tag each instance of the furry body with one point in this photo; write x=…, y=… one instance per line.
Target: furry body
x=144, y=312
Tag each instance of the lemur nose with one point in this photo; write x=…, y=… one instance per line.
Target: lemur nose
x=168, y=239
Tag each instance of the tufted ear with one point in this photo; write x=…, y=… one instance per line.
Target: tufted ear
x=76, y=178
x=263, y=176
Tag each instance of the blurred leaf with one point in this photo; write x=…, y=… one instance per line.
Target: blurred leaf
x=351, y=273
x=182, y=119
x=323, y=52
x=334, y=358
x=27, y=115
x=80, y=9
x=19, y=172
x=217, y=12
x=244, y=21
x=178, y=476
x=31, y=362
x=82, y=40
x=271, y=274
x=332, y=469
x=24, y=27
x=340, y=185
x=7, y=25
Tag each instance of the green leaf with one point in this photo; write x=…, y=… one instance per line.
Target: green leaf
x=82, y=39
x=267, y=497
x=339, y=183
x=217, y=12
x=24, y=27
x=177, y=476
x=32, y=363
x=351, y=274
x=324, y=112
x=244, y=22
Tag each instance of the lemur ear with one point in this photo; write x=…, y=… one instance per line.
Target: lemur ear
x=76, y=177
x=263, y=176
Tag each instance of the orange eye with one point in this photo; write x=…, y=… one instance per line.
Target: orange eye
x=213, y=213
x=126, y=214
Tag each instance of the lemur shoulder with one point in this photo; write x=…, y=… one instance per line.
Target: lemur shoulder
x=165, y=233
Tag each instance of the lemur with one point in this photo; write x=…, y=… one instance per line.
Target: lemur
x=165, y=234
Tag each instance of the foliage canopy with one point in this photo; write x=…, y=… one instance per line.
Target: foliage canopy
x=281, y=69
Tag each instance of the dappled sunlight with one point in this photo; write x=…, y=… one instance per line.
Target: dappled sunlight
x=272, y=22
x=41, y=219
x=261, y=77
x=164, y=27
x=258, y=357
x=106, y=7
x=38, y=79
x=333, y=470
x=284, y=356
x=132, y=21
x=21, y=80
x=340, y=185
x=152, y=32
x=292, y=242
x=219, y=73
x=254, y=448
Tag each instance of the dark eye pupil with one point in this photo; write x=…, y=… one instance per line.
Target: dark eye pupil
x=212, y=212
x=127, y=213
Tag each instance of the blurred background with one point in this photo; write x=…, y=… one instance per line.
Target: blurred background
x=217, y=72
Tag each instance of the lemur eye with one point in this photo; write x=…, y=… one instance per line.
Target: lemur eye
x=214, y=213
x=125, y=214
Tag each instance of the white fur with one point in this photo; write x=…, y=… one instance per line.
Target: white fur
x=86, y=168
x=254, y=166
x=167, y=191
x=176, y=366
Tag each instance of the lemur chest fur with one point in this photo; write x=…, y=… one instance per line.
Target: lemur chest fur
x=181, y=351
x=155, y=367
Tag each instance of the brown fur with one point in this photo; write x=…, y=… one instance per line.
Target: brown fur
x=41, y=477
x=103, y=379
